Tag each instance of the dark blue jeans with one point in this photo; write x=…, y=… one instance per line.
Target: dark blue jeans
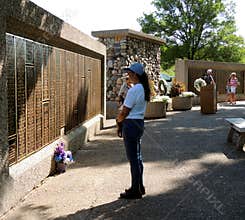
x=132, y=132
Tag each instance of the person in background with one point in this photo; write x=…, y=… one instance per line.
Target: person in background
x=228, y=90
x=208, y=78
x=232, y=84
x=130, y=123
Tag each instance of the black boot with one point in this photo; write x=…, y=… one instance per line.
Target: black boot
x=142, y=189
x=131, y=194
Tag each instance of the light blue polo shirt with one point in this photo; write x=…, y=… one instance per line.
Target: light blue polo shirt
x=135, y=100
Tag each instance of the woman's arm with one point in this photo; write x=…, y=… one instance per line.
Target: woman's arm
x=123, y=114
x=212, y=80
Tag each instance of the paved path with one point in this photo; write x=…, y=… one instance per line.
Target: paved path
x=190, y=173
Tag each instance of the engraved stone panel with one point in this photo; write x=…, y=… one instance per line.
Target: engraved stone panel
x=21, y=96
x=29, y=52
x=30, y=110
x=38, y=91
x=10, y=68
x=52, y=103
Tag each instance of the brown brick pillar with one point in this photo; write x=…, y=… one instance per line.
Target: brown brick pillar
x=3, y=108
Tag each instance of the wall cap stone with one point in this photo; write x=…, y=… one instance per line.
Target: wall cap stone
x=26, y=19
x=229, y=66
x=127, y=32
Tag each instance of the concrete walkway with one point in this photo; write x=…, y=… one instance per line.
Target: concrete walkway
x=190, y=173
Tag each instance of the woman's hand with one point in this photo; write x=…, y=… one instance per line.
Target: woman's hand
x=119, y=129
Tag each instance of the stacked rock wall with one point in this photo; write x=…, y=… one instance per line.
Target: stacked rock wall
x=121, y=53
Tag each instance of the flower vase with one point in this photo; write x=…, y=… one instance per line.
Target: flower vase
x=60, y=167
x=181, y=103
x=155, y=110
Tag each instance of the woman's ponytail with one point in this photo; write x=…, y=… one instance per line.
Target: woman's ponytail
x=145, y=82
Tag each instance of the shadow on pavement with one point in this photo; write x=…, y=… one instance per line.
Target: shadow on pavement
x=218, y=193
x=179, y=137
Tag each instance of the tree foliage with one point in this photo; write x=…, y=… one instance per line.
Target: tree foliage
x=195, y=29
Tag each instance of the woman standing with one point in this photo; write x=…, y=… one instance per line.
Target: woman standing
x=232, y=84
x=131, y=126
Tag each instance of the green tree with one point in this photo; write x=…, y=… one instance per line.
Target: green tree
x=195, y=29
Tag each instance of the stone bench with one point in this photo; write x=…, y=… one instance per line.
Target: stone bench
x=238, y=126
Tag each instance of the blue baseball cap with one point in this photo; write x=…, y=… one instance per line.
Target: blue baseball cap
x=137, y=68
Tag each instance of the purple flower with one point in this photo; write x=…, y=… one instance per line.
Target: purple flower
x=58, y=158
x=62, y=156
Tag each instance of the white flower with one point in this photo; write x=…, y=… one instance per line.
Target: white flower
x=198, y=83
x=161, y=98
x=68, y=161
x=187, y=94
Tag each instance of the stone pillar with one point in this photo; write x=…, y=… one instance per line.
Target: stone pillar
x=3, y=108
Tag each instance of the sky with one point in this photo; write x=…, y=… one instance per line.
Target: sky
x=96, y=15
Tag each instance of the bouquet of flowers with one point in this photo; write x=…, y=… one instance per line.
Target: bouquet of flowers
x=62, y=156
x=177, y=88
x=198, y=83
